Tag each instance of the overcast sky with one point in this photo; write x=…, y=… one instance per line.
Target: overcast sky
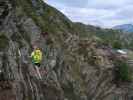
x=104, y=13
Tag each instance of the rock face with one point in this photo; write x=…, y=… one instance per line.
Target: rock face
x=76, y=68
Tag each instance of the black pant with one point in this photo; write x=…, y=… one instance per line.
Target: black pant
x=38, y=64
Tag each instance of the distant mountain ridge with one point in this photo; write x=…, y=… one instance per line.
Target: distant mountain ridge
x=125, y=27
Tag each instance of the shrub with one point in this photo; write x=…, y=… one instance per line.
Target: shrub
x=117, y=45
x=122, y=71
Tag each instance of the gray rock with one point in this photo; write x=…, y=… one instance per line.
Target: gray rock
x=70, y=75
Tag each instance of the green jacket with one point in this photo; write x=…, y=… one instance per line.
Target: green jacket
x=36, y=56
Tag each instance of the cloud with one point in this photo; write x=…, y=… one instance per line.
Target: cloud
x=96, y=12
x=110, y=4
x=70, y=3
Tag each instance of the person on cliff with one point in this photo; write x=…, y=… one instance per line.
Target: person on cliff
x=36, y=57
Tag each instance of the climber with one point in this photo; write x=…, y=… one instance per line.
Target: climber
x=36, y=57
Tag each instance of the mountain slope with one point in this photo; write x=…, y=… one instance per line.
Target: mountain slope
x=125, y=28
x=79, y=66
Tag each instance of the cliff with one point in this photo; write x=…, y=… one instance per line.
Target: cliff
x=78, y=68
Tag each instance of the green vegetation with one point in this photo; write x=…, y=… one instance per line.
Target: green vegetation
x=4, y=42
x=117, y=45
x=122, y=71
x=114, y=38
x=52, y=21
x=82, y=30
x=47, y=17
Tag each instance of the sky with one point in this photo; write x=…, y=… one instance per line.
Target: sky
x=103, y=13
